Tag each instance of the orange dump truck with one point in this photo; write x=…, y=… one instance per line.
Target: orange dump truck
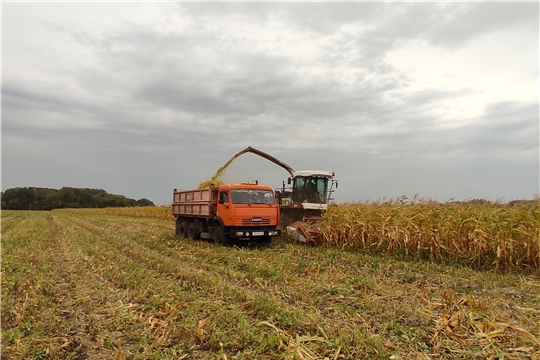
x=226, y=213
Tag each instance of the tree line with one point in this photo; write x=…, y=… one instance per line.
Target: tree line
x=36, y=198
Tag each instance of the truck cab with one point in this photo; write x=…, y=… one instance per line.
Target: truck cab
x=247, y=205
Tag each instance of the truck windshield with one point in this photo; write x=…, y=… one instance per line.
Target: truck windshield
x=252, y=196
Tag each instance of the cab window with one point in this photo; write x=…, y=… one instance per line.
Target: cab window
x=224, y=197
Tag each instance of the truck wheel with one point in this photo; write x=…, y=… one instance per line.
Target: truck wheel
x=182, y=229
x=177, y=229
x=192, y=232
x=179, y=226
x=220, y=237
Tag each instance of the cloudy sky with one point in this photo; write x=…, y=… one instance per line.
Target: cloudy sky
x=435, y=99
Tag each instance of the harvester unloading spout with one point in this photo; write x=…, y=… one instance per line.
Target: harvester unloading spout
x=267, y=157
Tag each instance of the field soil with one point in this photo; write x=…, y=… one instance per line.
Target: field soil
x=92, y=286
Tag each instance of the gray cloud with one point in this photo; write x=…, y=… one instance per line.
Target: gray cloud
x=148, y=103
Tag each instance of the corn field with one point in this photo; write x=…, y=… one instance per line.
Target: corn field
x=478, y=234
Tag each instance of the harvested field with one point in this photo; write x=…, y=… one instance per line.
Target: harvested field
x=87, y=285
x=151, y=212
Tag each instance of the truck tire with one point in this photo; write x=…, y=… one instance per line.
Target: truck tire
x=220, y=237
x=182, y=229
x=177, y=229
x=192, y=233
x=178, y=222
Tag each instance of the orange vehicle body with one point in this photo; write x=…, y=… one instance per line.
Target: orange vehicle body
x=227, y=213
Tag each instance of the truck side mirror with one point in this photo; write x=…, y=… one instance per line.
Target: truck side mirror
x=289, y=181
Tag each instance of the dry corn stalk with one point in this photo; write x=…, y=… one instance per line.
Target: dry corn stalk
x=468, y=322
x=483, y=235
x=294, y=346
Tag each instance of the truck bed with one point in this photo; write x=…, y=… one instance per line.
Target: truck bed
x=193, y=203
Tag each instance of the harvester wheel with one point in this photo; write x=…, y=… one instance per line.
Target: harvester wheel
x=192, y=232
x=220, y=237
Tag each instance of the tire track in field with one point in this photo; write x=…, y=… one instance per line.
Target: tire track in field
x=161, y=253
x=24, y=286
x=257, y=301
x=80, y=308
x=106, y=248
x=177, y=265
x=277, y=302
x=247, y=282
x=196, y=281
x=134, y=323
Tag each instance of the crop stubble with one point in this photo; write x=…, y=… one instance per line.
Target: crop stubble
x=83, y=285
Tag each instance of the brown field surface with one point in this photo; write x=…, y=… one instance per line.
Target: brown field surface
x=106, y=284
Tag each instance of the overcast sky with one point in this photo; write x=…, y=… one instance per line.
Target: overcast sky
x=435, y=99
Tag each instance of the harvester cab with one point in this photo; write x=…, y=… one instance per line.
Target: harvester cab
x=309, y=189
x=306, y=194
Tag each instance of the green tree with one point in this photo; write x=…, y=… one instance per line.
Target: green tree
x=67, y=197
